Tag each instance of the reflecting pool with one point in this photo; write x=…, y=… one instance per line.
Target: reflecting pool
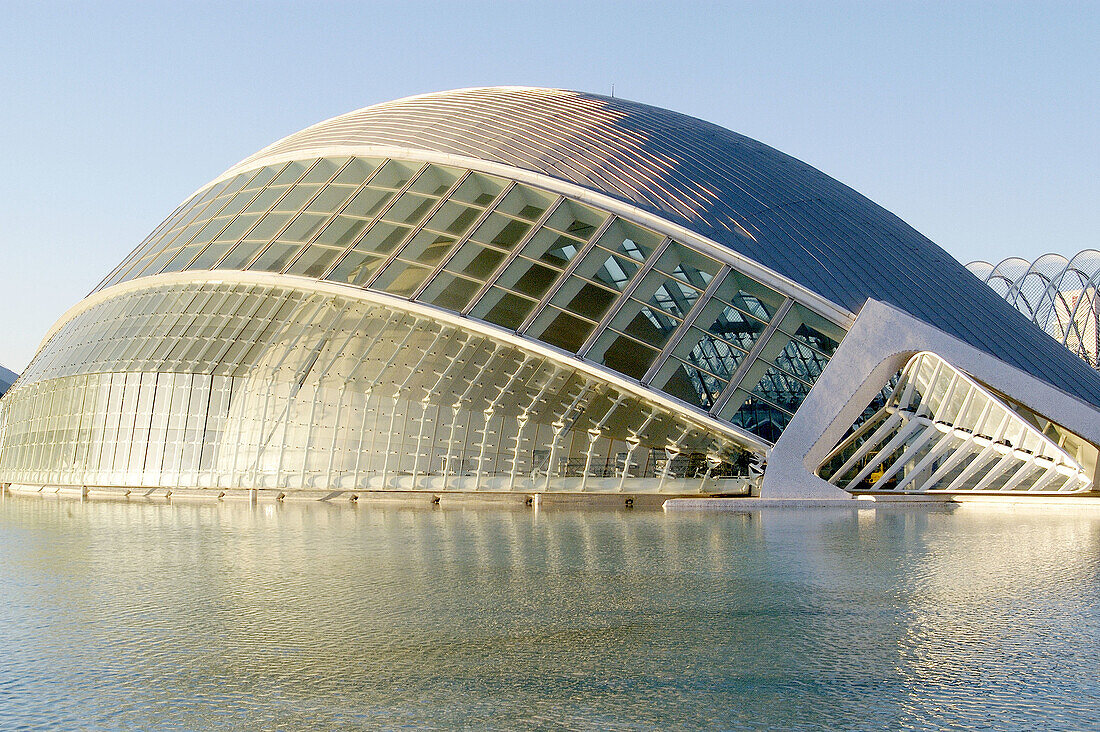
x=122, y=615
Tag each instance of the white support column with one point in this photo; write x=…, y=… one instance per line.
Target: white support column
x=671, y=453
x=522, y=421
x=869, y=444
x=934, y=454
x=593, y=436
x=559, y=427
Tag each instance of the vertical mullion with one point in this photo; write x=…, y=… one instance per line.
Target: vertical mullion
x=689, y=319
x=566, y=274
x=624, y=296
x=754, y=353
x=524, y=241
x=465, y=238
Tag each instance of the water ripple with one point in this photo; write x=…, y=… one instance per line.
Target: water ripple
x=123, y=616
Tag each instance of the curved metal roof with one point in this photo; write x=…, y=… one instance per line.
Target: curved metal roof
x=764, y=204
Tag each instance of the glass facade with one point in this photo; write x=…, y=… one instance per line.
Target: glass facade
x=517, y=286
x=553, y=269
x=220, y=385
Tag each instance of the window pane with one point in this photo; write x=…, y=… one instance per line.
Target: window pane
x=475, y=261
x=584, y=298
x=625, y=355
x=576, y=219
x=237, y=204
x=805, y=363
x=324, y=169
x=314, y=261
x=240, y=255
x=356, y=268
x=401, y=278
x=560, y=329
x=265, y=200
x=394, y=174
x=342, y=231
x=181, y=259
x=812, y=329
x=296, y=198
x=304, y=227
x=357, y=171
x=436, y=180
x=382, y=238
x=748, y=295
x=688, y=384
x=479, y=189
x=427, y=248
x=757, y=416
x=711, y=354
x=368, y=202
x=329, y=200
x=275, y=257
x=672, y=296
x=292, y=172
x=210, y=255
x=614, y=272
x=528, y=278
x=734, y=326
x=687, y=265
x=644, y=324
x=450, y=291
x=409, y=209
x=503, y=308
x=630, y=240
x=782, y=389
x=269, y=226
x=262, y=178
x=525, y=203
x=238, y=227
x=453, y=218
x=500, y=231
x=551, y=247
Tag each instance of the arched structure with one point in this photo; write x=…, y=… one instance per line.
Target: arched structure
x=527, y=290
x=1059, y=295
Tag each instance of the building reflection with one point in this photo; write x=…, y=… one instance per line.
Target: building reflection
x=884, y=616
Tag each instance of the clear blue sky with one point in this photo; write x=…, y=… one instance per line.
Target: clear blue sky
x=975, y=122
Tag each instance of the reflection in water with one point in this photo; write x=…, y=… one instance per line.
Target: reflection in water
x=133, y=615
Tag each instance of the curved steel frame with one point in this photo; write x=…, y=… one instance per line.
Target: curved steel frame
x=754, y=377
x=263, y=383
x=604, y=375
x=1061, y=296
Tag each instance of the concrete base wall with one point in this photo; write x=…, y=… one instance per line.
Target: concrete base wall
x=454, y=496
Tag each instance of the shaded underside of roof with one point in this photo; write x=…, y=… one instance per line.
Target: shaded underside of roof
x=766, y=205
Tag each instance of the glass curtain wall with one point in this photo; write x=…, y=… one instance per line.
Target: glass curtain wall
x=223, y=385
x=564, y=273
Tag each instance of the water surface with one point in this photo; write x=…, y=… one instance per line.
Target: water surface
x=185, y=616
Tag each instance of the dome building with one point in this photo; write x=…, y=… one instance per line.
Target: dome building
x=543, y=291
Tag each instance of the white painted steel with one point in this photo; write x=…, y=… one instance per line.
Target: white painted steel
x=1003, y=448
